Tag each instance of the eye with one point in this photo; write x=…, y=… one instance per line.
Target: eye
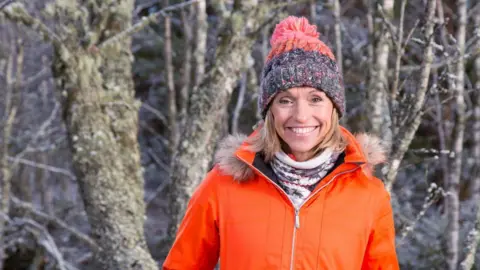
x=284, y=101
x=317, y=99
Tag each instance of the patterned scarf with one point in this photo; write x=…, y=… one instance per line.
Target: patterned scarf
x=298, y=179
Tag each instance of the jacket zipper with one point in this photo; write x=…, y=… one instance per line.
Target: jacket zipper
x=297, y=210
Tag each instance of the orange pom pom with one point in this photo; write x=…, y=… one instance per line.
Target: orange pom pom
x=294, y=27
x=294, y=32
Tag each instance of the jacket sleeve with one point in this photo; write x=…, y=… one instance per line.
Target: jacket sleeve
x=380, y=252
x=197, y=242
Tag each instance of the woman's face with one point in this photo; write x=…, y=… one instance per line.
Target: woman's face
x=302, y=116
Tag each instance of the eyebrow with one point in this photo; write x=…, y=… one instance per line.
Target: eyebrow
x=288, y=94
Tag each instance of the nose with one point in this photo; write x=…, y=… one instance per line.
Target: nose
x=302, y=112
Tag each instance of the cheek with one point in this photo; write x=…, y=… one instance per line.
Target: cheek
x=279, y=118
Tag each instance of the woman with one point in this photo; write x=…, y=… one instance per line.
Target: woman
x=298, y=193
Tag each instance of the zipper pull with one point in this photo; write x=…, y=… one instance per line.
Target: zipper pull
x=297, y=219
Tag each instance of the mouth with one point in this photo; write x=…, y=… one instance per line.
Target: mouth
x=302, y=131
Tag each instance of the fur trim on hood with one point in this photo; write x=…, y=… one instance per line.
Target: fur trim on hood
x=229, y=164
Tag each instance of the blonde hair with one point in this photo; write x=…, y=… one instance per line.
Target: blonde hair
x=267, y=140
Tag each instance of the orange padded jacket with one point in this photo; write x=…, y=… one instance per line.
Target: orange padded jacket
x=240, y=216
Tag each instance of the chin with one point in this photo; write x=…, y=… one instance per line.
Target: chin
x=301, y=148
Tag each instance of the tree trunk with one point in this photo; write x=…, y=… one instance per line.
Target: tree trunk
x=200, y=42
x=207, y=105
x=5, y=169
x=378, y=113
x=452, y=201
x=187, y=64
x=101, y=116
x=5, y=179
x=338, y=34
x=172, y=97
x=474, y=235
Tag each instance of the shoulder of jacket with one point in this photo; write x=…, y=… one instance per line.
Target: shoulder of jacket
x=228, y=163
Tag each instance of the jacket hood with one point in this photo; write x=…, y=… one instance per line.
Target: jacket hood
x=367, y=149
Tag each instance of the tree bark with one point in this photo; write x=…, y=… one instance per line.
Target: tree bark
x=240, y=100
x=5, y=169
x=452, y=201
x=187, y=64
x=474, y=234
x=172, y=99
x=101, y=117
x=378, y=112
x=338, y=34
x=5, y=180
x=207, y=105
x=200, y=41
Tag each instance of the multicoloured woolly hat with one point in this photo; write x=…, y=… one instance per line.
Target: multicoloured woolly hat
x=299, y=58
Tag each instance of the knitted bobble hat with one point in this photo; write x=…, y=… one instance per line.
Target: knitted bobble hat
x=299, y=58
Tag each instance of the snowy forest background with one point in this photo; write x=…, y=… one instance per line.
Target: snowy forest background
x=110, y=112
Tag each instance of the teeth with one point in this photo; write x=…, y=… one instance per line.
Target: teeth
x=303, y=130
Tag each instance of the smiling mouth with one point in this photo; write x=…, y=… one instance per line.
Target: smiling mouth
x=302, y=130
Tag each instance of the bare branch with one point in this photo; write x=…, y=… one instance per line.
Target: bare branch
x=39, y=133
x=54, y=221
x=443, y=63
x=313, y=11
x=200, y=42
x=43, y=238
x=17, y=12
x=434, y=193
x=143, y=23
x=44, y=73
x=452, y=201
x=19, y=64
x=391, y=28
x=399, y=53
x=172, y=100
x=5, y=180
x=187, y=64
x=42, y=166
x=404, y=139
x=440, y=128
x=338, y=34
x=474, y=235
x=156, y=112
x=240, y=101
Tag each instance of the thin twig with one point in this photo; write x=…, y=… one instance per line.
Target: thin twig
x=433, y=194
x=441, y=64
x=18, y=13
x=338, y=34
x=43, y=238
x=44, y=73
x=42, y=166
x=55, y=221
x=39, y=133
x=390, y=26
x=143, y=23
x=156, y=112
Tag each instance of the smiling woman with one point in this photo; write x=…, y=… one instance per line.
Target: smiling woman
x=299, y=192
